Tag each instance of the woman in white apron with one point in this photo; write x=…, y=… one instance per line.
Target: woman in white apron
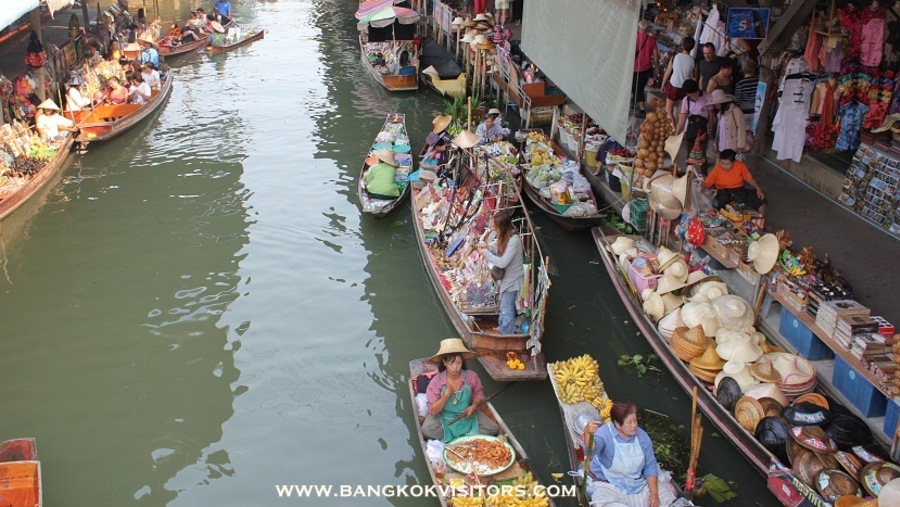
x=623, y=468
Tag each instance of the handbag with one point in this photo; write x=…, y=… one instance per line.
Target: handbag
x=497, y=273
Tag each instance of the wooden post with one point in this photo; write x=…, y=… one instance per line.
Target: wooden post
x=469, y=114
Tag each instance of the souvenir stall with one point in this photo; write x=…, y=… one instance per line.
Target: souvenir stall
x=23, y=153
x=870, y=188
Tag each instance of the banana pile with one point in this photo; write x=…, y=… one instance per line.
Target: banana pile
x=467, y=501
x=577, y=380
x=514, y=501
x=527, y=482
x=536, y=137
x=605, y=407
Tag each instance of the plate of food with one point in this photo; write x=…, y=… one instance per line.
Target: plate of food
x=487, y=454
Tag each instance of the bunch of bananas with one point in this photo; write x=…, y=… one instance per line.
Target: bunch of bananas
x=536, y=137
x=514, y=501
x=605, y=407
x=527, y=482
x=577, y=379
x=467, y=501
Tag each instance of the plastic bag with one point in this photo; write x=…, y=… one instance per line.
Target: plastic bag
x=701, y=198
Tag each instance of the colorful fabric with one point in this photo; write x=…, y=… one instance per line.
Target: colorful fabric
x=851, y=123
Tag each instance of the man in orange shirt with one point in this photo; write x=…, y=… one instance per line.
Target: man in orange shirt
x=728, y=177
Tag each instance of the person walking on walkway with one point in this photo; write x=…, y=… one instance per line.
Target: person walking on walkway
x=507, y=255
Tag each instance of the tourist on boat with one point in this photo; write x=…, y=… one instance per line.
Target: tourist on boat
x=490, y=131
x=728, y=178
x=49, y=122
x=140, y=92
x=115, y=52
x=506, y=253
x=455, y=391
x=75, y=98
x=223, y=8
x=623, y=468
x=116, y=94
x=435, y=156
x=150, y=76
x=380, y=177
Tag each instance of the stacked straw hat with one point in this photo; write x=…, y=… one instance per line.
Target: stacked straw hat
x=707, y=366
x=690, y=343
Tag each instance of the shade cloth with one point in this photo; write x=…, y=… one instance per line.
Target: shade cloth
x=15, y=9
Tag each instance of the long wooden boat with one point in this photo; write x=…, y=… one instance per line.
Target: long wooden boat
x=449, y=478
x=392, y=82
x=170, y=52
x=254, y=34
x=109, y=121
x=472, y=208
x=556, y=213
x=789, y=490
x=39, y=180
x=440, y=71
x=395, y=124
x=20, y=474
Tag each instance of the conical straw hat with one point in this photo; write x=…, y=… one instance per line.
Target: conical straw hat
x=386, y=155
x=668, y=284
x=48, y=104
x=441, y=121
x=452, y=346
x=673, y=145
x=655, y=307
x=671, y=302
x=621, y=244
x=466, y=140
x=679, y=188
x=765, y=372
x=764, y=253
x=467, y=38
x=708, y=361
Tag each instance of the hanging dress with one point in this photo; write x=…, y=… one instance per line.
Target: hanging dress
x=851, y=121
x=790, y=121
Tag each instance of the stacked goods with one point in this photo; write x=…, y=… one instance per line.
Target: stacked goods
x=577, y=380
x=651, y=143
x=22, y=154
x=895, y=381
x=560, y=182
x=830, y=311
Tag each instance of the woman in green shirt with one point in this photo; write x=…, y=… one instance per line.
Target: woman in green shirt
x=380, y=177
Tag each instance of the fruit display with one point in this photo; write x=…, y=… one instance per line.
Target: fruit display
x=515, y=501
x=513, y=362
x=577, y=380
x=467, y=501
x=651, y=143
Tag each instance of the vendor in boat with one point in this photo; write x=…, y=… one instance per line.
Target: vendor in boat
x=380, y=177
x=623, y=468
x=435, y=156
x=728, y=178
x=440, y=123
x=49, y=122
x=455, y=391
x=490, y=131
x=218, y=34
x=76, y=96
x=506, y=253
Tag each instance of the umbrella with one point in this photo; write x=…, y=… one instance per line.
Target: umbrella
x=370, y=6
x=388, y=15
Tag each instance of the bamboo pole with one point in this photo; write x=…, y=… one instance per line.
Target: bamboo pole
x=469, y=114
x=586, y=465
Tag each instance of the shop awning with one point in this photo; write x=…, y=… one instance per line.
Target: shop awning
x=587, y=49
x=15, y=9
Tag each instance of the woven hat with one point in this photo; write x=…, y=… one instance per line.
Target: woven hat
x=806, y=413
x=48, y=104
x=734, y=312
x=771, y=406
x=698, y=276
x=457, y=21
x=814, y=398
x=813, y=438
x=773, y=433
x=767, y=390
x=689, y=343
x=718, y=97
x=848, y=430
x=807, y=465
x=669, y=323
x=621, y=244
x=654, y=307
x=765, y=372
x=665, y=257
x=833, y=484
x=748, y=413
x=849, y=462
x=468, y=23
x=441, y=122
x=386, y=155
x=739, y=350
x=764, y=253
x=677, y=269
x=728, y=392
x=869, y=453
x=466, y=140
x=710, y=289
x=875, y=475
x=671, y=302
x=673, y=145
x=708, y=361
x=452, y=346
x=738, y=371
x=467, y=38
x=481, y=17
x=661, y=192
x=680, y=185
x=667, y=284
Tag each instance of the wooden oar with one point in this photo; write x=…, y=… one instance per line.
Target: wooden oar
x=486, y=400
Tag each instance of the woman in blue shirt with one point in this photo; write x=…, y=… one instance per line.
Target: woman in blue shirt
x=623, y=468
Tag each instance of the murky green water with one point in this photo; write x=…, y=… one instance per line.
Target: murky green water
x=198, y=312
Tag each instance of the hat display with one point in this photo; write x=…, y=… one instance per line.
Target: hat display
x=814, y=398
x=767, y=390
x=458, y=20
x=737, y=371
x=661, y=191
x=440, y=122
x=764, y=253
x=734, y=312
x=798, y=375
x=706, y=366
x=669, y=213
x=718, y=97
x=466, y=140
x=665, y=257
x=672, y=147
x=467, y=38
x=669, y=323
x=834, y=483
x=654, y=307
x=680, y=185
x=765, y=372
x=621, y=244
x=739, y=349
x=689, y=343
x=481, y=17
x=849, y=462
x=677, y=269
x=671, y=302
x=386, y=155
x=773, y=433
x=813, y=438
x=771, y=407
x=848, y=430
x=452, y=346
x=806, y=413
x=468, y=23
x=875, y=475
x=694, y=313
x=711, y=289
x=807, y=465
x=698, y=276
x=869, y=453
x=748, y=413
x=667, y=284
x=48, y=104
x=792, y=448
x=728, y=391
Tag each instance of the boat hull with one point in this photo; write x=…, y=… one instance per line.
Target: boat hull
x=570, y=224
x=361, y=194
x=20, y=474
x=184, y=49
x=392, y=82
x=215, y=50
x=46, y=174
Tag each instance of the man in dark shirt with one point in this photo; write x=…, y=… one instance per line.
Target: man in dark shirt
x=709, y=65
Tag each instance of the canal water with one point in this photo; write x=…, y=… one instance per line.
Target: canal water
x=198, y=312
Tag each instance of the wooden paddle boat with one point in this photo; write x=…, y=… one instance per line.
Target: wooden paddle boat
x=393, y=137
x=247, y=37
x=108, y=121
x=20, y=474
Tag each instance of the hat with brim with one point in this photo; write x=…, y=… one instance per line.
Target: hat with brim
x=709, y=361
x=767, y=390
x=813, y=438
x=483, y=25
x=451, y=346
x=655, y=307
x=833, y=484
x=728, y=392
x=807, y=414
x=771, y=406
x=680, y=187
x=718, y=97
x=494, y=111
x=698, y=276
x=440, y=122
x=76, y=79
x=466, y=140
x=217, y=26
x=748, y=413
x=887, y=123
x=48, y=104
x=848, y=430
x=673, y=146
x=671, y=302
x=667, y=284
x=849, y=462
x=458, y=20
x=765, y=372
x=665, y=257
x=875, y=476
x=772, y=432
x=621, y=244
x=467, y=38
x=677, y=269
x=468, y=23
x=481, y=17
x=814, y=398
x=807, y=465
x=386, y=155
x=764, y=253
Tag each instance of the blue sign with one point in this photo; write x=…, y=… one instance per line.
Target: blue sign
x=747, y=23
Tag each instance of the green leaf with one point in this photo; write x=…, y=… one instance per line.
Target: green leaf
x=638, y=358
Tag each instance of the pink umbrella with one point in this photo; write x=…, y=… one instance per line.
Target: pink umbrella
x=370, y=6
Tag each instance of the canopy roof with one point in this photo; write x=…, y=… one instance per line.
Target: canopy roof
x=387, y=15
x=15, y=9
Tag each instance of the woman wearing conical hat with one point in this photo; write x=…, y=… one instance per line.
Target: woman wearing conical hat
x=455, y=391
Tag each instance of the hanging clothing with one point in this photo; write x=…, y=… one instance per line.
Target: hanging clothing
x=712, y=32
x=826, y=110
x=814, y=44
x=872, y=41
x=832, y=58
x=790, y=121
x=851, y=122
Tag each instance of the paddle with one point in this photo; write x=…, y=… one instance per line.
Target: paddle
x=489, y=398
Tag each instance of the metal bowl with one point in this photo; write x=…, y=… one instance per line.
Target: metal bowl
x=582, y=419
